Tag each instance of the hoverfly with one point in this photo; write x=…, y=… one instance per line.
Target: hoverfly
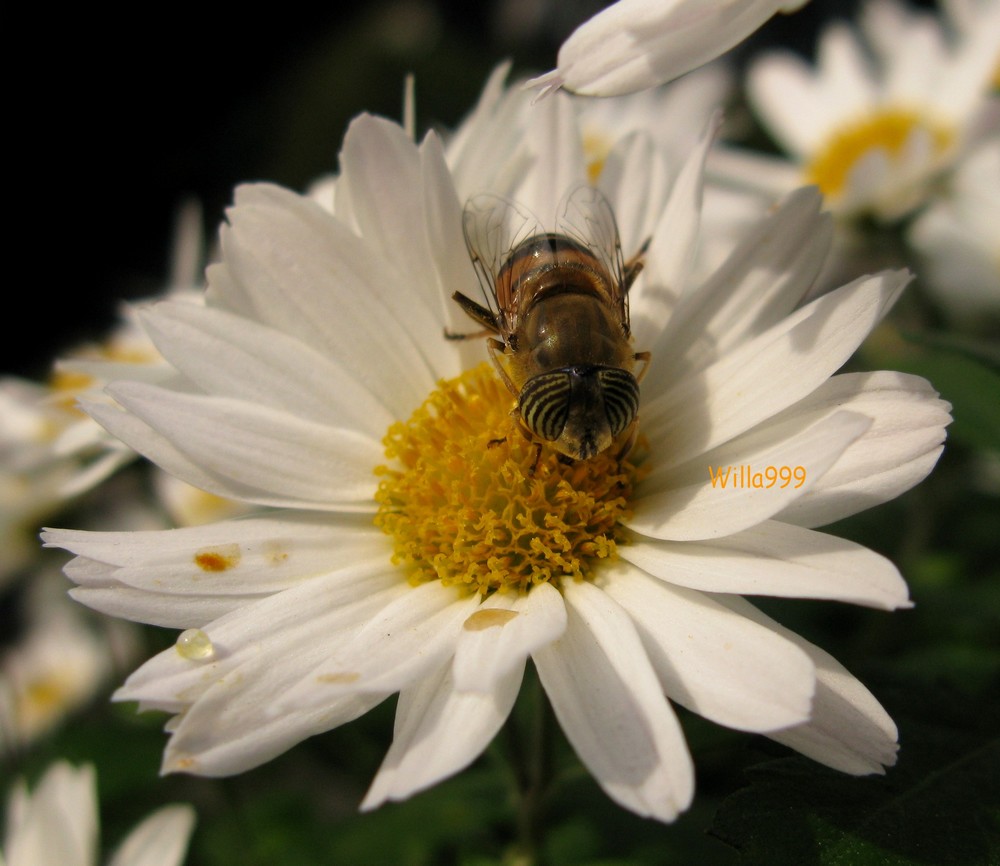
x=556, y=315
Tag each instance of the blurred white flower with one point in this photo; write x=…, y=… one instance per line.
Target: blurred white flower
x=409, y=541
x=58, y=665
x=635, y=44
x=51, y=451
x=958, y=240
x=888, y=109
x=58, y=824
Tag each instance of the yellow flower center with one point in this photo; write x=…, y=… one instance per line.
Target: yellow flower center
x=887, y=131
x=470, y=501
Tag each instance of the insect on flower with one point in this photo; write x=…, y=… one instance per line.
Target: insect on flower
x=557, y=302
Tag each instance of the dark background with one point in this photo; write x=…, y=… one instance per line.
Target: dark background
x=118, y=118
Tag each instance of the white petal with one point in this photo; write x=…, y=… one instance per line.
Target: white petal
x=673, y=244
x=57, y=823
x=690, y=502
x=159, y=450
x=718, y=664
x=847, y=82
x=410, y=636
x=439, y=731
x=608, y=701
x=233, y=727
x=387, y=186
x=849, y=729
x=558, y=163
x=750, y=178
x=292, y=631
x=635, y=44
x=289, y=460
x=249, y=556
x=636, y=178
x=306, y=274
x=760, y=283
x=160, y=840
x=775, y=559
x=784, y=92
x=152, y=608
x=489, y=150
x=770, y=372
x=379, y=187
x=443, y=217
x=226, y=355
x=239, y=717
x=895, y=453
x=502, y=633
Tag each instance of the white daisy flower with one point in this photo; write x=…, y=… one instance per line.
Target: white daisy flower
x=958, y=241
x=58, y=824
x=885, y=112
x=635, y=44
x=411, y=540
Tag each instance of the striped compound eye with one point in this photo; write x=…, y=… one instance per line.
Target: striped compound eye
x=596, y=396
x=544, y=404
x=621, y=397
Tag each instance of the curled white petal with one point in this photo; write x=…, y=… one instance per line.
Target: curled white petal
x=849, y=730
x=635, y=44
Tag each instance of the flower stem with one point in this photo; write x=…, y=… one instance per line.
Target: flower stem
x=529, y=750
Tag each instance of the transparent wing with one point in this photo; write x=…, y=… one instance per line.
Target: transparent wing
x=494, y=227
x=585, y=216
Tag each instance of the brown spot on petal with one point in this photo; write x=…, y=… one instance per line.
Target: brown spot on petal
x=484, y=619
x=275, y=553
x=218, y=558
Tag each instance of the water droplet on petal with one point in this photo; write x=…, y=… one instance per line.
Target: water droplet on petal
x=195, y=645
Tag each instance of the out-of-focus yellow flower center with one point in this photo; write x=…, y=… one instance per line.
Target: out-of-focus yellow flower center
x=888, y=131
x=68, y=384
x=466, y=504
x=46, y=694
x=43, y=700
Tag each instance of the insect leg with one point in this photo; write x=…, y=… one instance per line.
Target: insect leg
x=644, y=358
x=477, y=312
x=634, y=266
x=492, y=345
x=455, y=335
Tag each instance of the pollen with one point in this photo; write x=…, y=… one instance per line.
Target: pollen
x=888, y=131
x=469, y=500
